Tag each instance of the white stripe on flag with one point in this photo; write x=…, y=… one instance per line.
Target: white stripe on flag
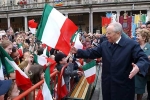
x=78, y=43
x=14, y=65
x=1, y=72
x=52, y=28
x=90, y=72
x=41, y=60
x=63, y=82
x=33, y=30
x=46, y=92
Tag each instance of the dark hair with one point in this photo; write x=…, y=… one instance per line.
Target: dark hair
x=147, y=23
x=14, y=49
x=59, y=56
x=40, y=51
x=36, y=70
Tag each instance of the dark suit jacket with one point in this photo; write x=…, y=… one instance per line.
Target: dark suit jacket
x=117, y=66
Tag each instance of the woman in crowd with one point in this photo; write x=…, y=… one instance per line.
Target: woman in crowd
x=7, y=45
x=143, y=36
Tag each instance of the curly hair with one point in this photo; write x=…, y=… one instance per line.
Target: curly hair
x=145, y=34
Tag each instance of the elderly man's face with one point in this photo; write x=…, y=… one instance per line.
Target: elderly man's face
x=111, y=35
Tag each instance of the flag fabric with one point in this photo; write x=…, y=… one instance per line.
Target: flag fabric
x=40, y=60
x=1, y=71
x=22, y=80
x=20, y=50
x=39, y=95
x=32, y=26
x=52, y=64
x=63, y=89
x=90, y=71
x=55, y=30
x=76, y=41
x=46, y=51
x=46, y=87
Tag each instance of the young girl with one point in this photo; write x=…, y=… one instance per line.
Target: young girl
x=13, y=92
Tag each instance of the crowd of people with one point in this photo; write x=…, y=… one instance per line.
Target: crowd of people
x=122, y=59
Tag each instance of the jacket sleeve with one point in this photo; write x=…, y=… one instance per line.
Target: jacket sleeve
x=90, y=53
x=140, y=59
x=69, y=70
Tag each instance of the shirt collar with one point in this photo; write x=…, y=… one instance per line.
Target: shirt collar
x=118, y=40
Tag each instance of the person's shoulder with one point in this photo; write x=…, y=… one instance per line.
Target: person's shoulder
x=148, y=45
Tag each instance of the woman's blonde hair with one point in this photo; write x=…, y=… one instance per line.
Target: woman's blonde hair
x=6, y=43
x=145, y=34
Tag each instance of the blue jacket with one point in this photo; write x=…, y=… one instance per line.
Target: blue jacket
x=117, y=66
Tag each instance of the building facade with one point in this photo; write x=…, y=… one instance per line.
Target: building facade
x=86, y=14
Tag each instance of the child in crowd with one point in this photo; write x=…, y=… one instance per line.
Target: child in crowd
x=8, y=90
x=61, y=60
x=12, y=92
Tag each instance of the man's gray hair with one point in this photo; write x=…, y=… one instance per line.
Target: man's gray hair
x=117, y=27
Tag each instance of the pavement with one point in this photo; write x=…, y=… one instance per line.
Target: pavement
x=97, y=95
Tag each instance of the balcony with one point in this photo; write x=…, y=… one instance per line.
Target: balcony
x=69, y=4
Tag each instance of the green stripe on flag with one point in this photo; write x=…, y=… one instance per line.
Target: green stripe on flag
x=47, y=77
x=3, y=54
x=89, y=65
x=45, y=15
x=35, y=59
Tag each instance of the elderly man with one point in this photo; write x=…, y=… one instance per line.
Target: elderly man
x=122, y=60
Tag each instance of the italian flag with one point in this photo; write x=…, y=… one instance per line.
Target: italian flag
x=40, y=60
x=46, y=86
x=76, y=41
x=63, y=89
x=22, y=79
x=32, y=26
x=55, y=30
x=43, y=61
x=90, y=71
x=20, y=50
x=46, y=52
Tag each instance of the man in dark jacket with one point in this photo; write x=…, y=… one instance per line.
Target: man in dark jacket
x=122, y=58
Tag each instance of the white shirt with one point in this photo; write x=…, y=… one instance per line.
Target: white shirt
x=118, y=40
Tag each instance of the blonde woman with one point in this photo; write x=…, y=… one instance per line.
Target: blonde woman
x=143, y=36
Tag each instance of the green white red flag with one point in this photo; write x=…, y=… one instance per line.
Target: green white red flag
x=55, y=30
x=90, y=71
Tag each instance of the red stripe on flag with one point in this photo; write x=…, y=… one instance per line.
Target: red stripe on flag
x=49, y=48
x=22, y=82
x=67, y=30
x=20, y=53
x=44, y=45
x=91, y=79
x=32, y=24
x=39, y=95
x=52, y=65
x=64, y=91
